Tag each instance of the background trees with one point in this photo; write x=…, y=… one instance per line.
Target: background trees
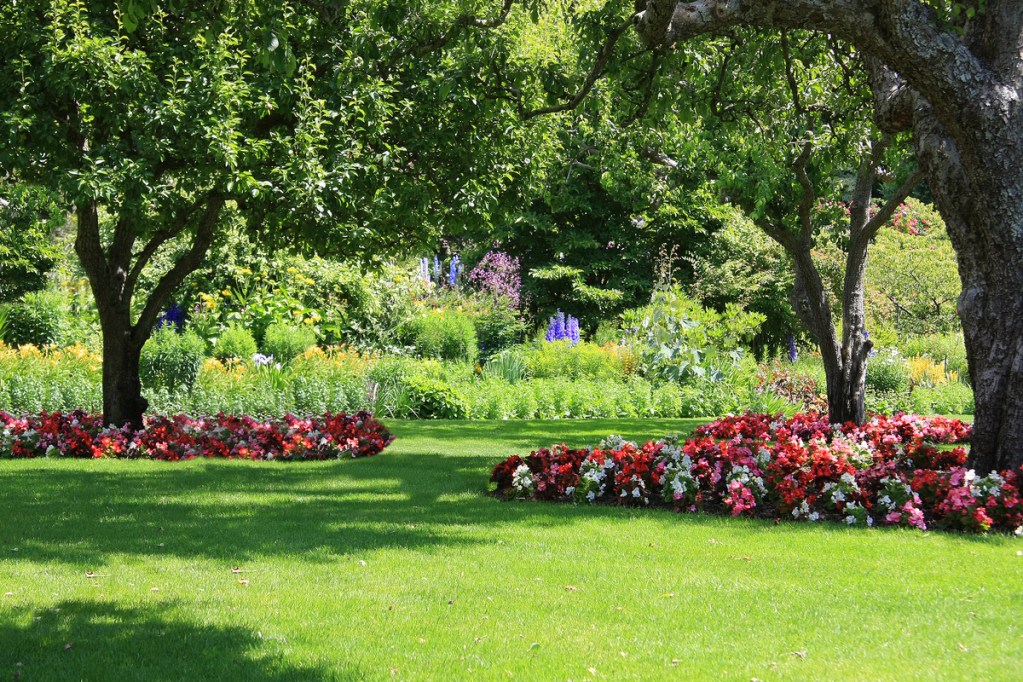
x=309, y=125
x=950, y=72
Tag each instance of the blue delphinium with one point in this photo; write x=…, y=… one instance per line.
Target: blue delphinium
x=174, y=316
x=453, y=271
x=560, y=328
x=424, y=269
x=793, y=351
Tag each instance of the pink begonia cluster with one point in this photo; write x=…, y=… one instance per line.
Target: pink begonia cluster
x=902, y=470
x=81, y=435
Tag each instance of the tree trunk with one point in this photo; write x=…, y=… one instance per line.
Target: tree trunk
x=122, y=388
x=979, y=190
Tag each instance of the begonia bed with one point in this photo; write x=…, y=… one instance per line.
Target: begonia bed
x=902, y=470
x=84, y=436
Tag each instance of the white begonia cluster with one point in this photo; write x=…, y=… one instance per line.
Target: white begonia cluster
x=522, y=480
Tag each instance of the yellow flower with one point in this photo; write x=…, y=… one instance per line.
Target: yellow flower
x=226, y=293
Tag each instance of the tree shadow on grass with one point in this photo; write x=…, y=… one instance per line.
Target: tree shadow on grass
x=234, y=511
x=85, y=640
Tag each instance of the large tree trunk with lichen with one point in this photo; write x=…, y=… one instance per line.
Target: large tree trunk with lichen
x=959, y=90
x=979, y=190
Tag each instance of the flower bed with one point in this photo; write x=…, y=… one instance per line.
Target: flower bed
x=81, y=435
x=902, y=470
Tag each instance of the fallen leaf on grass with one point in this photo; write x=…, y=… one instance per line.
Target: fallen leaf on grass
x=675, y=661
x=668, y=595
x=242, y=581
x=90, y=574
x=362, y=562
x=800, y=654
x=962, y=647
x=68, y=646
x=422, y=640
x=154, y=589
x=8, y=594
x=570, y=588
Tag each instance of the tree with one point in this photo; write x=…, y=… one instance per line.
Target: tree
x=952, y=74
x=310, y=123
x=782, y=139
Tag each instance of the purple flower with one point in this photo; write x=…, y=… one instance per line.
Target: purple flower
x=793, y=351
x=497, y=274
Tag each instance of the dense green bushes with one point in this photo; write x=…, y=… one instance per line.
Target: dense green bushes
x=171, y=360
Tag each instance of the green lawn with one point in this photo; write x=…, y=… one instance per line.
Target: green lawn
x=400, y=567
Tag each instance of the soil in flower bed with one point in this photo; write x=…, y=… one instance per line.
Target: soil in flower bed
x=84, y=436
x=902, y=470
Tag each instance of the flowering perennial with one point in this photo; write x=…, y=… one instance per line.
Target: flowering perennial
x=902, y=470
x=81, y=435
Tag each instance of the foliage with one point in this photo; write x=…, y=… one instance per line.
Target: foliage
x=548, y=360
x=741, y=265
x=29, y=216
x=284, y=342
x=434, y=399
x=170, y=359
x=445, y=335
x=887, y=371
x=678, y=338
x=35, y=380
x=40, y=319
x=235, y=343
x=912, y=276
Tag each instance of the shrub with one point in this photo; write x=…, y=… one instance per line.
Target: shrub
x=33, y=380
x=39, y=319
x=170, y=359
x=950, y=398
x=581, y=361
x=887, y=371
x=445, y=335
x=435, y=399
x=498, y=326
x=235, y=343
x=286, y=341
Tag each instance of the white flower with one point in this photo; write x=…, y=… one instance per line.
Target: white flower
x=814, y=516
x=970, y=475
x=1018, y=532
x=591, y=496
x=839, y=496
x=870, y=521
x=851, y=520
x=848, y=479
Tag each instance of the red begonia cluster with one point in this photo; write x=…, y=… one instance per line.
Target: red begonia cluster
x=81, y=435
x=901, y=470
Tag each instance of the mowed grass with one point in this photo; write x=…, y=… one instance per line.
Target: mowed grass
x=401, y=567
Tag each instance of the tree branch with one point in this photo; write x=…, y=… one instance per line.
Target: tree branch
x=901, y=33
x=596, y=71
x=881, y=218
x=809, y=194
x=154, y=244
x=185, y=265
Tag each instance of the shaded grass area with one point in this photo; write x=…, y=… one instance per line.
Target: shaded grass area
x=400, y=567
